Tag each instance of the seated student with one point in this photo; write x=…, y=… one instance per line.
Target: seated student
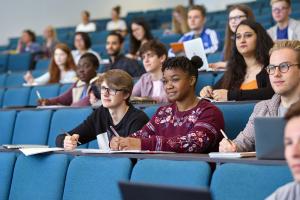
x=179, y=21
x=116, y=111
x=82, y=43
x=50, y=41
x=117, y=60
x=292, y=155
x=116, y=24
x=196, y=22
x=150, y=84
x=78, y=94
x=187, y=125
x=246, y=77
x=86, y=25
x=285, y=27
x=139, y=34
x=284, y=73
x=61, y=70
x=27, y=43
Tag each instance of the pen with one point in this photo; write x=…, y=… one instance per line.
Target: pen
x=38, y=94
x=68, y=134
x=225, y=136
x=114, y=131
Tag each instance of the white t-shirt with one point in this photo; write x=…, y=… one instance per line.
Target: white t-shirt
x=90, y=27
x=76, y=55
x=116, y=25
x=157, y=86
x=67, y=77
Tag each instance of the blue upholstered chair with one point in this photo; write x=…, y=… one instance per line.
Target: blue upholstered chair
x=7, y=162
x=170, y=172
x=1, y=95
x=66, y=119
x=32, y=127
x=39, y=177
x=151, y=110
x=96, y=178
x=46, y=91
x=14, y=79
x=7, y=119
x=204, y=79
x=64, y=87
x=236, y=116
x=42, y=64
x=18, y=62
x=16, y=97
x=247, y=182
x=2, y=80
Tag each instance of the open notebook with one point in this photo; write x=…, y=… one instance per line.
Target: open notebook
x=232, y=154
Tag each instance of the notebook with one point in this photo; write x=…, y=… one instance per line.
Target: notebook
x=137, y=191
x=269, y=133
x=232, y=154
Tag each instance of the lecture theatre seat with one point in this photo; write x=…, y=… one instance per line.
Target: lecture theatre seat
x=96, y=178
x=1, y=95
x=64, y=87
x=16, y=97
x=7, y=119
x=170, y=172
x=42, y=64
x=151, y=110
x=2, y=79
x=46, y=91
x=18, y=62
x=236, y=116
x=39, y=177
x=204, y=79
x=31, y=127
x=3, y=62
x=66, y=120
x=14, y=79
x=244, y=181
x=7, y=162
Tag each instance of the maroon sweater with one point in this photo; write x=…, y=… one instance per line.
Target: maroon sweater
x=194, y=131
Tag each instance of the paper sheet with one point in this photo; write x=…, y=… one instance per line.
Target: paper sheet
x=232, y=154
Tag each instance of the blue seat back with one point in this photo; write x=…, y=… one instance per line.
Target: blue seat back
x=39, y=177
x=7, y=162
x=2, y=91
x=236, y=116
x=247, y=182
x=16, y=97
x=32, y=127
x=14, y=79
x=167, y=39
x=46, y=91
x=7, y=119
x=204, y=79
x=151, y=110
x=64, y=87
x=170, y=172
x=3, y=62
x=93, y=144
x=18, y=62
x=2, y=80
x=66, y=119
x=42, y=64
x=96, y=178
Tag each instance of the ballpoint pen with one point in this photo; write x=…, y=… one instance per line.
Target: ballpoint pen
x=38, y=94
x=225, y=136
x=68, y=134
x=114, y=131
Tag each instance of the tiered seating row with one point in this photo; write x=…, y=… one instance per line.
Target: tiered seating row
x=61, y=176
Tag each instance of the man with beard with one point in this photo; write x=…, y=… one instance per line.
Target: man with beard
x=117, y=60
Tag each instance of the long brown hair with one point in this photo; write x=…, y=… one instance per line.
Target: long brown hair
x=54, y=69
x=229, y=34
x=183, y=27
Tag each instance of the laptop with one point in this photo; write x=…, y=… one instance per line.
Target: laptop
x=137, y=191
x=269, y=133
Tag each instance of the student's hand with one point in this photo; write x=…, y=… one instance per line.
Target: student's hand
x=28, y=77
x=220, y=95
x=70, y=142
x=227, y=146
x=206, y=92
x=114, y=143
x=130, y=143
x=43, y=102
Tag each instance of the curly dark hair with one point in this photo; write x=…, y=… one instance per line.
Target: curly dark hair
x=236, y=66
x=134, y=43
x=188, y=66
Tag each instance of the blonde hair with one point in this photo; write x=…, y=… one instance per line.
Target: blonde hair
x=275, y=1
x=290, y=44
x=183, y=27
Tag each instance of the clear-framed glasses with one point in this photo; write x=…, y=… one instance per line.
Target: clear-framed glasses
x=282, y=67
x=236, y=18
x=279, y=9
x=109, y=91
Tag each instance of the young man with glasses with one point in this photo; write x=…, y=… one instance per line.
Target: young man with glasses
x=285, y=28
x=116, y=112
x=284, y=74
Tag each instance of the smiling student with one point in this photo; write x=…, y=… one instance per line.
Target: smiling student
x=188, y=124
x=116, y=111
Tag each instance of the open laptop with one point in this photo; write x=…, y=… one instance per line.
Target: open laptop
x=269, y=133
x=137, y=191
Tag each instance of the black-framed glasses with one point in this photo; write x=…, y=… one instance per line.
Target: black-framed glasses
x=109, y=91
x=282, y=67
x=236, y=18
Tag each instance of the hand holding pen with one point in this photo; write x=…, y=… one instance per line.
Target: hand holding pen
x=227, y=145
x=41, y=101
x=71, y=141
